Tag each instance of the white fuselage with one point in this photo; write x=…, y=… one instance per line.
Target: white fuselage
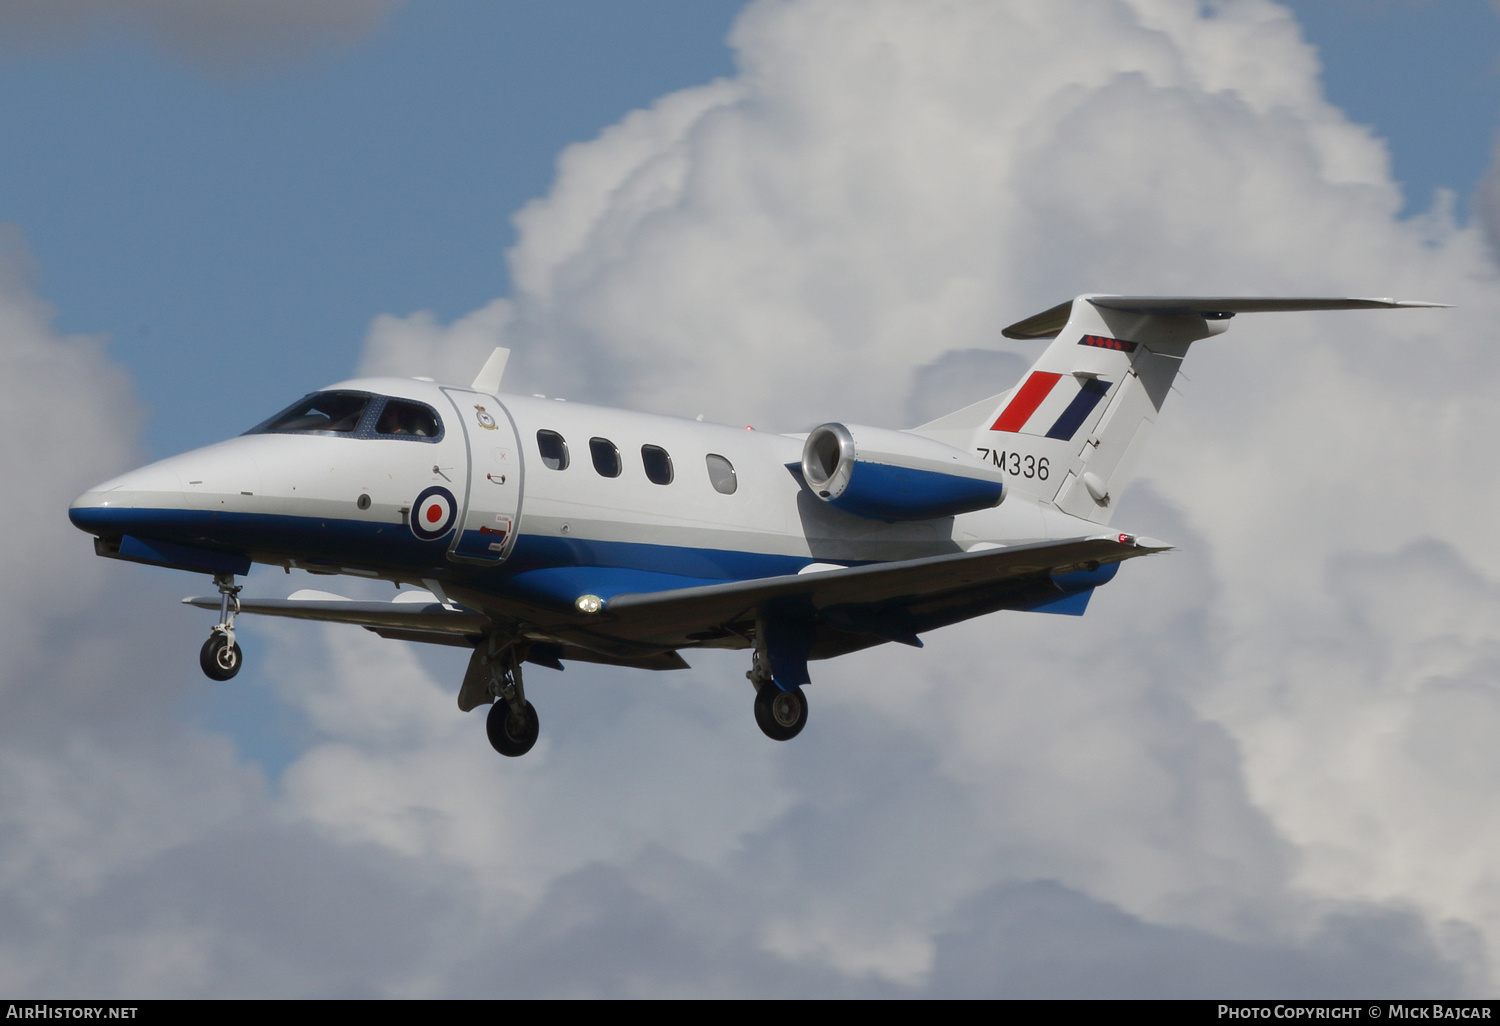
x=345, y=502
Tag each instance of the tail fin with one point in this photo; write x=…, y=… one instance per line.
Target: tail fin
x=1071, y=431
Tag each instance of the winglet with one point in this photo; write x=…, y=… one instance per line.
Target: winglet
x=493, y=370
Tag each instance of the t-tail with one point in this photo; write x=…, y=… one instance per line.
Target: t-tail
x=1071, y=431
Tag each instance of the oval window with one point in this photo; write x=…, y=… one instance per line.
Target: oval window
x=606, y=457
x=721, y=473
x=658, y=464
x=553, y=449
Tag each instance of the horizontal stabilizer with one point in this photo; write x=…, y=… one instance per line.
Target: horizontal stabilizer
x=1050, y=322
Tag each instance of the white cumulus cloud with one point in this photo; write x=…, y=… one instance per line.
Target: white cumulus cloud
x=1257, y=766
x=1254, y=738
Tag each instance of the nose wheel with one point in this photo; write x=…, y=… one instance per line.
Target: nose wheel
x=220, y=656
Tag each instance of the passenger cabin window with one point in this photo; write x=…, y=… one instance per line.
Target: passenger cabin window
x=606, y=457
x=721, y=473
x=403, y=419
x=554, y=450
x=658, y=464
x=324, y=411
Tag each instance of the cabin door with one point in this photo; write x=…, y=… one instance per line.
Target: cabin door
x=492, y=503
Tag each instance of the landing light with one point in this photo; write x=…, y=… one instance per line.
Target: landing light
x=589, y=603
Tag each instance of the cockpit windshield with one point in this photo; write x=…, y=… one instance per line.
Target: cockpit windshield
x=355, y=415
x=325, y=411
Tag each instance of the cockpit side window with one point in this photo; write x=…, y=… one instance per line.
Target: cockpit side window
x=404, y=419
x=337, y=412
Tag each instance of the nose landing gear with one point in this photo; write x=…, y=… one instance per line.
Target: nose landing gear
x=220, y=656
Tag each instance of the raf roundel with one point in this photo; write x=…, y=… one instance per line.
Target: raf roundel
x=433, y=513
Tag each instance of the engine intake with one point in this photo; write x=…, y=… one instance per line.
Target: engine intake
x=894, y=475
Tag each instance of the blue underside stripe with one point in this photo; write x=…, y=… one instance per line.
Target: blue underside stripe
x=352, y=543
x=181, y=557
x=547, y=568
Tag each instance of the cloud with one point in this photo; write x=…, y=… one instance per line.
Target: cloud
x=1487, y=201
x=1255, y=740
x=1257, y=766
x=1038, y=939
x=57, y=448
x=218, y=35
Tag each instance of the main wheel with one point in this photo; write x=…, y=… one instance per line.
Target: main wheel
x=781, y=715
x=219, y=661
x=512, y=734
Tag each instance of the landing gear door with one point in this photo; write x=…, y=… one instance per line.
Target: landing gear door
x=492, y=502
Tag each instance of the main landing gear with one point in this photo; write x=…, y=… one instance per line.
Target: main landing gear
x=780, y=714
x=512, y=724
x=220, y=656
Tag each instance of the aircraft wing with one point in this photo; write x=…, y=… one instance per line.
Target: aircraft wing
x=430, y=622
x=881, y=601
x=854, y=606
x=426, y=617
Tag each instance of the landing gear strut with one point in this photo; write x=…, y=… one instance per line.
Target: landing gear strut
x=780, y=714
x=220, y=656
x=512, y=724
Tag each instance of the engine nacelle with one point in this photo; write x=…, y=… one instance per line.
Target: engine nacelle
x=894, y=475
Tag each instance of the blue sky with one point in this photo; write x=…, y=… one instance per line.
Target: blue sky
x=1426, y=75
x=233, y=231
x=1261, y=765
x=221, y=225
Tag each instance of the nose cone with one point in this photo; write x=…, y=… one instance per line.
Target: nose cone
x=86, y=512
x=153, y=515
x=117, y=506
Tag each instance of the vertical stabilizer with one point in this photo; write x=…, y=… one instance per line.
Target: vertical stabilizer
x=1071, y=431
